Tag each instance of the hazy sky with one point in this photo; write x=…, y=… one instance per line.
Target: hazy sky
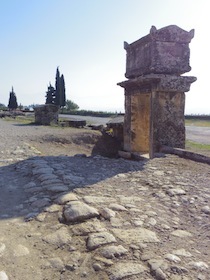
x=85, y=39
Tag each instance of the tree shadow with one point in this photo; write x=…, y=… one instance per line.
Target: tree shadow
x=29, y=186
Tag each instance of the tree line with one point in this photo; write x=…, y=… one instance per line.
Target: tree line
x=55, y=95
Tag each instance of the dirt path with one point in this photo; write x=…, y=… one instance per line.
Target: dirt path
x=67, y=216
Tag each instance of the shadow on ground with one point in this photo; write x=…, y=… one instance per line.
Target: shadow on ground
x=28, y=186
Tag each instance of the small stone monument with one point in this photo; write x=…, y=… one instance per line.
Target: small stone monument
x=46, y=114
x=155, y=90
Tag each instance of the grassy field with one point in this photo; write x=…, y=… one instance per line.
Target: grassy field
x=194, y=146
x=197, y=122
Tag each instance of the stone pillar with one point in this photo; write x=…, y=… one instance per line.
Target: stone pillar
x=155, y=90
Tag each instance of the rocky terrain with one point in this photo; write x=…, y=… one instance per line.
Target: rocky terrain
x=68, y=213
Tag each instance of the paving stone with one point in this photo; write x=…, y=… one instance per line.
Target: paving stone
x=199, y=265
x=59, y=238
x=112, y=251
x=136, y=235
x=3, y=275
x=95, y=240
x=21, y=250
x=2, y=248
x=41, y=203
x=122, y=270
x=172, y=258
x=63, y=199
x=90, y=226
x=56, y=188
x=181, y=233
x=182, y=252
x=77, y=211
x=91, y=199
x=107, y=213
x=117, y=207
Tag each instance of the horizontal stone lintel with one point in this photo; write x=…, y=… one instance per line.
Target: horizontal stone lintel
x=159, y=82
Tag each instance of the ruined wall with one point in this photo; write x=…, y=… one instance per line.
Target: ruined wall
x=46, y=114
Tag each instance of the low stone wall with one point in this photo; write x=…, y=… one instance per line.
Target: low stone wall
x=185, y=154
x=46, y=114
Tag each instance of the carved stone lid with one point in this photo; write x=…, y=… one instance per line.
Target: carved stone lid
x=171, y=33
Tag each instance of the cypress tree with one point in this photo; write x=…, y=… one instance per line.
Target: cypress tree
x=50, y=95
x=57, y=88
x=62, y=92
x=12, y=105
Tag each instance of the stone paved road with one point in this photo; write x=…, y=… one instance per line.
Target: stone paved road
x=76, y=217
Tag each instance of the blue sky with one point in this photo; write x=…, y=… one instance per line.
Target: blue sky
x=85, y=39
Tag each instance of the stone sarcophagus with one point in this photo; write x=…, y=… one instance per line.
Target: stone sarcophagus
x=155, y=90
x=163, y=51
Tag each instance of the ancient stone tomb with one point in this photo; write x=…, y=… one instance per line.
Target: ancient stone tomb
x=155, y=90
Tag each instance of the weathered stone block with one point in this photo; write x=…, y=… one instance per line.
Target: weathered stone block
x=163, y=51
x=46, y=114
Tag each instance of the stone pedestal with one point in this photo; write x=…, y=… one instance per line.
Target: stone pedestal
x=154, y=112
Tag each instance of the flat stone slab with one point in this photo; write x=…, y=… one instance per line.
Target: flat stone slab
x=77, y=211
x=59, y=237
x=137, y=235
x=121, y=270
x=97, y=239
x=90, y=226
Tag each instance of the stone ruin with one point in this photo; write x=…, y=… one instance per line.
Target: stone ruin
x=155, y=90
x=46, y=114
